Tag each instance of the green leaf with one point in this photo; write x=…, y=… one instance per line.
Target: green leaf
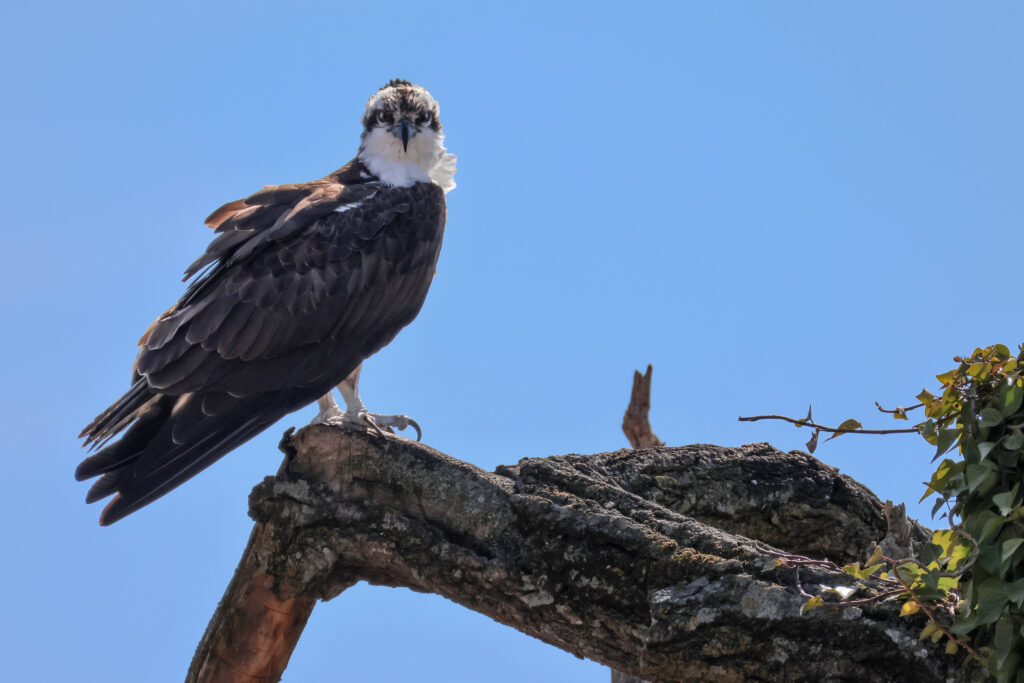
x=990, y=417
x=876, y=556
x=1013, y=441
x=990, y=525
x=928, y=630
x=869, y=570
x=925, y=397
x=991, y=600
x=966, y=598
x=984, y=525
x=963, y=626
x=929, y=554
x=980, y=477
x=1001, y=352
x=946, y=439
x=947, y=476
x=1010, y=547
x=1015, y=591
x=985, y=447
x=1012, y=400
x=1004, y=638
x=1004, y=501
x=908, y=573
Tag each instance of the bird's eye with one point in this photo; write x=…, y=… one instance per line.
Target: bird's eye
x=383, y=116
x=424, y=119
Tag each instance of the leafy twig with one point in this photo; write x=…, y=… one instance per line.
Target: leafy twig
x=836, y=430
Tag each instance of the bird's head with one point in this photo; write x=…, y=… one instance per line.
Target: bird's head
x=402, y=136
x=402, y=110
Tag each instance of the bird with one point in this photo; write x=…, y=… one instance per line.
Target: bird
x=300, y=285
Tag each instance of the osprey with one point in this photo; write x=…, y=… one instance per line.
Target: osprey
x=300, y=285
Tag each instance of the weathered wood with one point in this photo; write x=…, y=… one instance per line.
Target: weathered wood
x=253, y=632
x=637, y=559
x=636, y=424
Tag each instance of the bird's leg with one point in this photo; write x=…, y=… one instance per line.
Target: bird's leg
x=329, y=410
x=356, y=416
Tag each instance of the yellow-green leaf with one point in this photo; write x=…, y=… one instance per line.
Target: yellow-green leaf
x=869, y=570
x=811, y=604
x=909, y=608
x=847, y=426
x=943, y=538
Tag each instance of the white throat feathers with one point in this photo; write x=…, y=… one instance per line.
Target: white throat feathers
x=425, y=160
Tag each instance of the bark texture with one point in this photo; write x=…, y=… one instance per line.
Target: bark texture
x=642, y=560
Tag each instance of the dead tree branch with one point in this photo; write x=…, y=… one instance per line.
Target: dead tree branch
x=639, y=559
x=635, y=423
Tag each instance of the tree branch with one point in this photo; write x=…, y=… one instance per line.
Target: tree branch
x=639, y=559
x=836, y=430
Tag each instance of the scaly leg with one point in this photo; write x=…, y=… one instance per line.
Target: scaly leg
x=356, y=416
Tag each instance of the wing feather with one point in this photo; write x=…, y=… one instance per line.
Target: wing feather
x=293, y=295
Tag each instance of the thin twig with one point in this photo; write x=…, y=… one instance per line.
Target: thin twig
x=836, y=430
x=898, y=409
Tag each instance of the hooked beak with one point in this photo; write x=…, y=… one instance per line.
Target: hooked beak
x=404, y=130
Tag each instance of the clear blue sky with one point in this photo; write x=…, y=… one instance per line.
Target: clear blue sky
x=773, y=203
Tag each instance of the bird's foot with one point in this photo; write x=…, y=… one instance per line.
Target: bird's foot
x=367, y=421
x=330, y=414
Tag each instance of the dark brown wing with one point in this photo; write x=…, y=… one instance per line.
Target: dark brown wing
x=302, y=283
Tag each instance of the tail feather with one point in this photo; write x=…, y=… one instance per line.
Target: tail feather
x=104, y=486
x=144, y=490
x=128, y=447
x=117, y=416
x=152, y=458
